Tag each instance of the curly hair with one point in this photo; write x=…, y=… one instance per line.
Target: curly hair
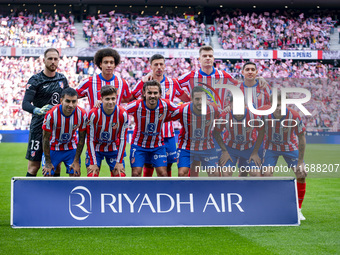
x=107, y=52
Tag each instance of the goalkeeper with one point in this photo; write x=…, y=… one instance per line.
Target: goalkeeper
x=42, y=93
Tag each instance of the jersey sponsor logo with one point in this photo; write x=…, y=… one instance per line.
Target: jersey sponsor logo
x=151, y=127
x=105, y=136
x=240, y=139
x=156, y=156
x=198, y=133
x=65, y=138
x=55, y=98
x=277, y=138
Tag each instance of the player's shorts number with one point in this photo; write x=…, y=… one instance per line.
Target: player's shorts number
x=35, y=145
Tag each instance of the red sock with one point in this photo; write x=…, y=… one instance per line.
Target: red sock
x=169, y=173
x=92, y=175
x=189, y=173
x=301, y=189
x=117, y=175
x=147, y=171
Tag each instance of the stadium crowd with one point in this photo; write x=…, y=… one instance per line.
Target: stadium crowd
x=276, y=30
x=321, y=79
x=37, y=30
x=123, y=31
x=236, y=30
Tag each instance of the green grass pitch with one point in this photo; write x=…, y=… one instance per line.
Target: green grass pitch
x=319, y=234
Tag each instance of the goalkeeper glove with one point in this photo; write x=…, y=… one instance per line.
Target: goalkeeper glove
x=43, y=110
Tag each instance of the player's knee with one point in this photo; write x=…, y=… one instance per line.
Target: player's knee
x=136, y=172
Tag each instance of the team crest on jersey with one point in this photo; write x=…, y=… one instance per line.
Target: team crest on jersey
x=61, y=84
x=32, y=153
x=167, y=91
x=114, y=125
x=208, y=122
x=75, y=127
x=285, y=129
x=161, y=116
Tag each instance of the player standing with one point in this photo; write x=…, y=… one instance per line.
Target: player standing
x=208, y=75
x=147, y=142
x=170, y=90
x=107, y=60
x=280, y=133
x=260, y=96
x=240, y=139
x=60, y=141
x=42, y=93
x=106, y=135
x=196, y=144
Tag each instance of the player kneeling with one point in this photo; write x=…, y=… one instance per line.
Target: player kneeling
x=280, y=140
x=106, y=135
x=59, y=134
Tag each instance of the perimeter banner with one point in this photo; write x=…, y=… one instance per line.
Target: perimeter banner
x=153, y=202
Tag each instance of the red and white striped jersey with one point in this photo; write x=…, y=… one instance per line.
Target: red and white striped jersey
x=260, y=96
x=196, y=131
x=239, y=133
x=91, y=86
x=278, y=136
x=193, y=78
x=170, y=90
x=148, y=122
x=63, y=129
x=107, y=132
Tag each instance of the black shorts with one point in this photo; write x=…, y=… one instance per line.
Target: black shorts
x=35, y=146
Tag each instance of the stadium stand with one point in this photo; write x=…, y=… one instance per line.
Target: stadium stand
x=274, y=30
x=122, y=31
x=37, y=30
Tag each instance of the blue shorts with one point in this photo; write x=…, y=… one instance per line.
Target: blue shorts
x=271, y=157
x=171, y=150
x=110, y=157
x=186, y=157
x=218, y=150
x=62, y=156
x=242, y=156
x=155, y=156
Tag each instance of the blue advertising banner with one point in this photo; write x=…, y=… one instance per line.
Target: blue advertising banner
x=153, y=202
